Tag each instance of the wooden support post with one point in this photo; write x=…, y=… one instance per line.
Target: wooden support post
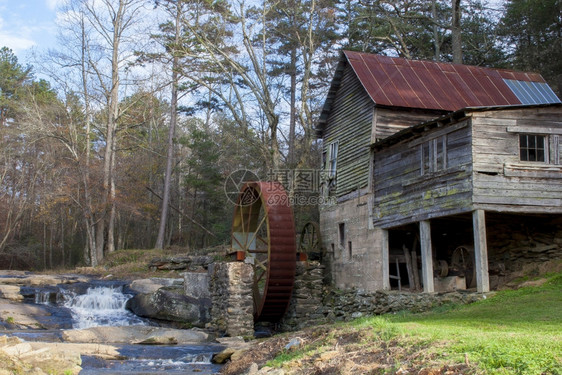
x=409, y=267
x=414, y=258
x=480, y=251
x=426, y=254
x=385, y=260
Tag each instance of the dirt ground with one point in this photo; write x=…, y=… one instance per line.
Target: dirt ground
x=345, y=351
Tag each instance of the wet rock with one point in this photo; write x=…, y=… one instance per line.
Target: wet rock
x=158, y=340
x=31, y=279
x=27, y=316
x=10, y=292
x=135, y=334
x=171, y=304
x=223, y=356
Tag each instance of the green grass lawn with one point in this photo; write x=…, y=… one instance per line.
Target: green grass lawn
x=512, y=332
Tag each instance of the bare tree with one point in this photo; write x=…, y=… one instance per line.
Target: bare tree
x=176, y=10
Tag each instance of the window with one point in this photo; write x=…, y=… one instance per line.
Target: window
x=342, y=234
x=349, y=250
x=434, y=155
x=332, y=159
x=532, y=147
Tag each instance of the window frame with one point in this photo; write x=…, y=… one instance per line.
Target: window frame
x=536, y=150
x=332, y=159
x=433, y=155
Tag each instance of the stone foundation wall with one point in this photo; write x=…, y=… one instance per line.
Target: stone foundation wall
x=355, y=304
x=232, y=301
x=517, y=246
x=353, y=247
x=306, y=307
x=314, y=304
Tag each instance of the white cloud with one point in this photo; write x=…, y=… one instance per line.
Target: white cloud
x=17, y=41
x=54, y=4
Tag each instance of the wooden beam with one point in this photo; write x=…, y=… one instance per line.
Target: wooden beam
x=480, y=251
x=385, y=259
x=427, y=256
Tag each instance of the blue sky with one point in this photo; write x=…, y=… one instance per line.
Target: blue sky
x=27, y=24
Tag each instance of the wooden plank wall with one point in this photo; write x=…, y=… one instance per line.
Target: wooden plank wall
x=403, y=195
x=350, y=124
x=391, y=120
x=501, y=181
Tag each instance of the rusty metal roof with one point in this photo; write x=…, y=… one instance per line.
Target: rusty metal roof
x=406, y=83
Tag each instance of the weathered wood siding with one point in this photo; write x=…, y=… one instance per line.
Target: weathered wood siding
x=349, y=124
x=403, y=195
x=501, y=181
x=391, y=120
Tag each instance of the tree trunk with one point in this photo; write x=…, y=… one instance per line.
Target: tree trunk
x=89, y=221
x=436, y=41
x=171, y=133
x=292, y=109
x=456, y=32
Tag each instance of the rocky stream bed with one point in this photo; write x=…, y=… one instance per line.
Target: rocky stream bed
x=70, y=324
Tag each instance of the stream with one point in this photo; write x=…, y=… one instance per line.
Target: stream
x=95, y=304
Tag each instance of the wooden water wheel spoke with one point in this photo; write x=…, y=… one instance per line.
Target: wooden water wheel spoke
x=258, y=279
x=238, y=242
x=261, y=265
x=263, y=227
x=260, y=225
x=309, y=242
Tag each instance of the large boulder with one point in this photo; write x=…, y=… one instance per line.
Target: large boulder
x=10, y=292
x=43, y=358
x=169, y=303
x=135, y=335
x=146, y=286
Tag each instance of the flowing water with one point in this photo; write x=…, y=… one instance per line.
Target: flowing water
x=103, y=304
x=100, y=306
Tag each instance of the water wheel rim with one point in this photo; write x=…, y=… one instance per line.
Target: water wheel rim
x=263, y=227
x=463, y=259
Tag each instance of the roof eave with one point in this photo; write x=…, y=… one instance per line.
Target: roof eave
x=334, y=86
x=447, y=119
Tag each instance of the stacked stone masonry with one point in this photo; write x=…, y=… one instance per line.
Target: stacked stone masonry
x=232, y=301
x=314, y=304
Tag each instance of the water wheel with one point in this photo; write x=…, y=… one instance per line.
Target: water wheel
x=310, y=242
x=263, y=229
x=462, y=261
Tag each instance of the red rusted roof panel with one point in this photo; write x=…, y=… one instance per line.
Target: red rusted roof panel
x=425, y=84
x=418, y=87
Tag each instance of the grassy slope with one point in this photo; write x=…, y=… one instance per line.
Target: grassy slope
x=517, y=331
x=513, y=332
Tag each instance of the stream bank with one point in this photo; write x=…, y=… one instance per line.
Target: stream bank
x=70, y=324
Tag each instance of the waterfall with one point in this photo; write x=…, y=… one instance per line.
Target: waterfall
x=100, y=306
x=42, y=297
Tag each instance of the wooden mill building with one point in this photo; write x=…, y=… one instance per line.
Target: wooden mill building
x=426, y=161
